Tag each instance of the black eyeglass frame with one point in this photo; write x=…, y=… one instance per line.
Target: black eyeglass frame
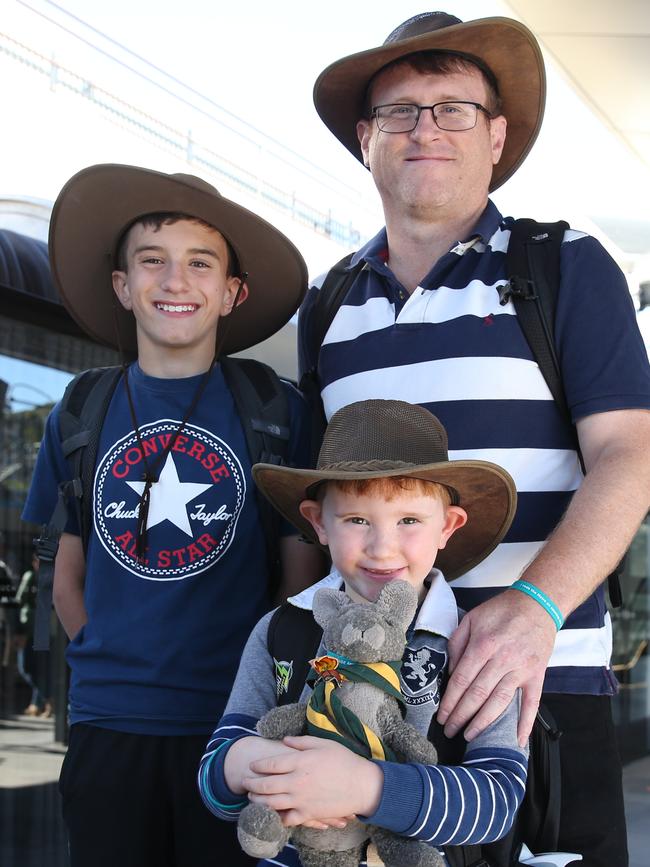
x=421, y=108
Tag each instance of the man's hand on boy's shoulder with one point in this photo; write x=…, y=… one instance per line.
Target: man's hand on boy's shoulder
x=499, y=646
x=317, y=782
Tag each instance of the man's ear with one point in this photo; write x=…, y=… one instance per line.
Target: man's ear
x=121, y=289
x=312, y=511
x=230, y=294
x=454, y=520
x=364, y=130
x=498, y=127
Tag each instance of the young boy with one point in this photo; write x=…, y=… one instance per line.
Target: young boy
x=387, y=503
x=175, y=573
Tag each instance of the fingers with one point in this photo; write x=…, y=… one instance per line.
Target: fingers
x=485, y=713
x=272, y=784
x=323, y=824
x=303, y=742
x=463, y=679
x=481, y=701
x=283, y=763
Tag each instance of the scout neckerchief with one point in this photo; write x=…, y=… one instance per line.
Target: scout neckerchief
x=327, y=717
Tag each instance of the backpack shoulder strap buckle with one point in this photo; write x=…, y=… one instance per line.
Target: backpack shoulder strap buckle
x=517, y=287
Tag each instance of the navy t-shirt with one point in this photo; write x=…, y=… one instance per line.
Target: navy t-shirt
x=163, y=639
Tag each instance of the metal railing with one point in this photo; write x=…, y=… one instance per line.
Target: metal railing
x=180, y=143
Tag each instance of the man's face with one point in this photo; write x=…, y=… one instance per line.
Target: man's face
x=431, y=173
x=177, y=288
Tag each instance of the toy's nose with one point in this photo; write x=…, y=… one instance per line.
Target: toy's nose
x=373, y=636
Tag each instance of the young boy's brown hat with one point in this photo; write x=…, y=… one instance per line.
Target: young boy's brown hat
x=374, y=439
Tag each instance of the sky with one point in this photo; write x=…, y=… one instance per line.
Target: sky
x=258, y=60
x=251, y=66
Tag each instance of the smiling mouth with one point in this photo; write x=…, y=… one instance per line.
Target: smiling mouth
x=429, y=158
x=176, y=308
x=383, y=573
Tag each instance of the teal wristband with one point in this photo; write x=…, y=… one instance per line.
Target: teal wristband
x=542, y=599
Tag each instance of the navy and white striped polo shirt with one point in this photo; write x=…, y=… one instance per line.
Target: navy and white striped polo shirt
x=451, y=347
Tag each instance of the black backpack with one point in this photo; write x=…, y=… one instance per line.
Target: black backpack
x=293, y=639
x=533, y=272
x=263, y=408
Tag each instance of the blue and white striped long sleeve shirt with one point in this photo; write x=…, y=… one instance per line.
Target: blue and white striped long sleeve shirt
x=471, y=803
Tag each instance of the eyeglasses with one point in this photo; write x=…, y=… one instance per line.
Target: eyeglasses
x=450, y=116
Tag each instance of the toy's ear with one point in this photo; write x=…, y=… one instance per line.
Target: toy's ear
x=327, y=604
x=399, y=600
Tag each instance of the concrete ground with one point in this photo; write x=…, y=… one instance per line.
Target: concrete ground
x=31, y=832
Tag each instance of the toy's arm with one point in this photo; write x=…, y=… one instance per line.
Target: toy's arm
x=283, y=721
x=411, y=746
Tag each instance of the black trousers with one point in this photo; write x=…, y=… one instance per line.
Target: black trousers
x=132, y=800
x=593, y=816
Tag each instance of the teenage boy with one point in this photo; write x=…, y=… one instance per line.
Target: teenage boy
x=175, y=572
x=387, y=503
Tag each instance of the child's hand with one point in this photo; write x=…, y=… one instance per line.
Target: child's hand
x=237, y=767
x=318, y=780
x=322, y=824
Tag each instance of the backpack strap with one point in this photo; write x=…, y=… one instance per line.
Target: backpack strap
x=330, y=296
x=263, y=408
x=81, y=416
x=533, y=271
x=292, y=639
x=539, y=818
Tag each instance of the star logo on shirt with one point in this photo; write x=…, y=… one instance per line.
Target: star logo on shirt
x=194, y=507
x=169, y=497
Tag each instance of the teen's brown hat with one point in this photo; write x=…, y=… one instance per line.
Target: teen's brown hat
x=99, y=203
x=505, y=46
x=374, y=439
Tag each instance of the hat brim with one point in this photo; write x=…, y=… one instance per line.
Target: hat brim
x=98, y=203
x=506, y=46
x=486, y=492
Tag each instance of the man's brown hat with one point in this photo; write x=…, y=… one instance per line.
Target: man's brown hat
x=99, y=203
x=505, y=46
x=374, y=439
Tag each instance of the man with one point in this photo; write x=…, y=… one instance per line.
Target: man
x=175, y=574
x=441, y=114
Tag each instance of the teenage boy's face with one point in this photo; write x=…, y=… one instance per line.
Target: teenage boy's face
x=373, y=540
x=177, y=288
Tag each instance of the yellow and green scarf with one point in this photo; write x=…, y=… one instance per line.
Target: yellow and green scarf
x=328, y=718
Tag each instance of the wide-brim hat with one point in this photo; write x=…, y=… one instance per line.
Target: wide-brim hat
x=99, y=203
x=506, y=46
x=374, y=439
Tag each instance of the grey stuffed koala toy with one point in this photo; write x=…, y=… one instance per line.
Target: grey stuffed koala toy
x=352, y=633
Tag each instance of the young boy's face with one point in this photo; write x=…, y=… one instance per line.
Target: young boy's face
x=373, y=540
x=177, y=286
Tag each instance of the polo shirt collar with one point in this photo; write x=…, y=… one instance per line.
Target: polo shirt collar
x=377, y=248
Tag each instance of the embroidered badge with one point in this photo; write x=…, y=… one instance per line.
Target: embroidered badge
x=421, y=674
x=326, y=668
x=283, y=675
